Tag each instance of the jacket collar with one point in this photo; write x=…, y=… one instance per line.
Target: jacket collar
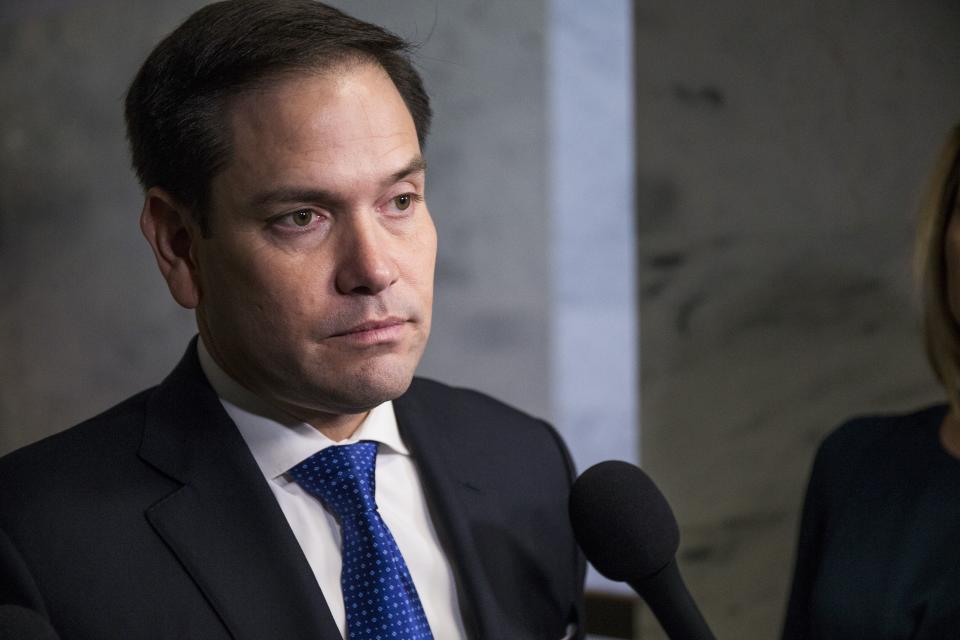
x=223, y=523
x=456, y=497
x=227, y=530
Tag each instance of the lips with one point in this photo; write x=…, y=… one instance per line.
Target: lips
x=371, y=333
x=371, y=325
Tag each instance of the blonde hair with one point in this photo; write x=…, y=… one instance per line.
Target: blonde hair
x=941, y=330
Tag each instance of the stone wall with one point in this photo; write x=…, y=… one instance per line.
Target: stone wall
x=781, y=150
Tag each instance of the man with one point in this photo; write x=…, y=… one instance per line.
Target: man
x=290, y=478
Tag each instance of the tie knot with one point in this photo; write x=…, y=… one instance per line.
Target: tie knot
x=342, y=476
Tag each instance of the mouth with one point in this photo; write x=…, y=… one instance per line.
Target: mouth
x=373, y=332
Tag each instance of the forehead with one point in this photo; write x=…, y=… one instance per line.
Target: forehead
x=342, y=123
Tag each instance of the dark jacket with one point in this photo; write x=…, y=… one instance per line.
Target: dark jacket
x=153, y=520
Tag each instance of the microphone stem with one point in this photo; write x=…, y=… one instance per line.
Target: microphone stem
x=671, y=603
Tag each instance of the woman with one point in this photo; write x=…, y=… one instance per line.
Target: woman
x=879, y=549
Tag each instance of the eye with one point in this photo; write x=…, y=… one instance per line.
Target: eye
x=301, y=218
x=403, y=201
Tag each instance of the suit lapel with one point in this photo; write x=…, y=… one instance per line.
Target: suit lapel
x=456, y=498
x=223, y=524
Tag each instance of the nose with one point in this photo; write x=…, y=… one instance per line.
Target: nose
x=366, y=266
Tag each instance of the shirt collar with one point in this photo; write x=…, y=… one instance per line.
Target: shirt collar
x=279, y=441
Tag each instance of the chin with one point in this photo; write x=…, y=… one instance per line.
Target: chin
x=364, y=389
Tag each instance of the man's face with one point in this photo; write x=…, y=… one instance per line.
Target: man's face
x=316, y=284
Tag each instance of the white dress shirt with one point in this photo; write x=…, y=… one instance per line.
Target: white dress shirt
x=279, y=442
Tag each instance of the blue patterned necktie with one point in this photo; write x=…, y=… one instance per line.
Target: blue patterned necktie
x=378, y=593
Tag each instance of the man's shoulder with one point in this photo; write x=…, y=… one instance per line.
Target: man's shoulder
x=107, y=440
x=94, y=444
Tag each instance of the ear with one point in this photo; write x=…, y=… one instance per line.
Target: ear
x=172, y=234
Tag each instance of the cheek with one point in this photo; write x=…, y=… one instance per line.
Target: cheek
x=268, y=293
x=424, y=257
x=292, y=300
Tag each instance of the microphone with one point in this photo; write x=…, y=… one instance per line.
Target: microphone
x=20, y=623
x=629, y=534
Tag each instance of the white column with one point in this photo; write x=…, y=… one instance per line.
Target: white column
x=594, y=366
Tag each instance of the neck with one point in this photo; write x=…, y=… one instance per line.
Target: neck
x=335, y=426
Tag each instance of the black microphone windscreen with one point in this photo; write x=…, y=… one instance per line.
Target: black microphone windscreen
x=20, y=623
x=622, y=522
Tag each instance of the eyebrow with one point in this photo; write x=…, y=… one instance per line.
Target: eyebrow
x=297, y=194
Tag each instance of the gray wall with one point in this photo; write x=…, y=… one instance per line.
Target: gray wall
x=86, y=319
x=781, y=151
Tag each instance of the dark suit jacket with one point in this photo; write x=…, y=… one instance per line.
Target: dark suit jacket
x=153, y=520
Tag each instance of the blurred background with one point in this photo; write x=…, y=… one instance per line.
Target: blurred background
x=680, y=230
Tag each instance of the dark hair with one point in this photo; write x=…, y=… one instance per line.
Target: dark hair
x=176, y=107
